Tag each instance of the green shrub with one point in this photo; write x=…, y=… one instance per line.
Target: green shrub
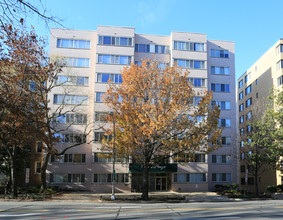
x=272, y=189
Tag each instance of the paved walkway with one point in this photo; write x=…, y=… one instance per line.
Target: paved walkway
x=155, y=196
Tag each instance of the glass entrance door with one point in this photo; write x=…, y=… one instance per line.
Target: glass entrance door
x=161, y=184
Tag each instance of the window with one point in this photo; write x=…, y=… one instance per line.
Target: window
x=223, y=105
x=71, y=43
x=241, y=119
x=215, y=87
x=194, y=158
x=70, y=118
x=76, y=62
x=72, y=80
x=247, y=77
x=249, y=115
x=256, y=95
x=241, y=95
x=39, y=147
x=190, y=46
x=114, y=59
x=151, y=48
x=249, y=128
x=197, y=82
x=37, y=167
x=70, y=99
x=250, y=181
x=279, y=49
x=226, y=123
x=248, y=90
x=115, y=41
x=219, y=53
x=243, y=181
x=99, y=96
x=221, y=159
x=241, y=107
x=189, y=177
x=249, y=102
x=98, y=136
x=226, y=140
x=191, y=64
x=105, y=77
x=71, y=138
x=242, y=131
x=67, y=178
x=280, y=80
x=219, y=70
x=242, y=144
x=221, y=177
x=243, y=168
x=256, y=82
x=107, y=178
x=56, y=159
x=241, y=84
x=107, y=158
x=100, y=116
x=74, y=158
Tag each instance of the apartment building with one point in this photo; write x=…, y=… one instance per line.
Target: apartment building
x=254, y=86
x=94, y=57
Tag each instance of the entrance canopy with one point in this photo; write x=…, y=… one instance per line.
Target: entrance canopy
x=161, y=168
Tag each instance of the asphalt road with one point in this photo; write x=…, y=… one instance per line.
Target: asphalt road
x=268, y=209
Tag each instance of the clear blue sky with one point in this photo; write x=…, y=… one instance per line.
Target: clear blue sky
x=254, y=25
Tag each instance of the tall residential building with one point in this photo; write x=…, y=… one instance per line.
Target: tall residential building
x=254, y=86
x=94, y=57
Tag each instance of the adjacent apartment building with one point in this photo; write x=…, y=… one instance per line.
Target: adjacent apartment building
x=94, y=57
x=254, y=86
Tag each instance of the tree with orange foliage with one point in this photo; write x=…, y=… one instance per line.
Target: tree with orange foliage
x=157, y=117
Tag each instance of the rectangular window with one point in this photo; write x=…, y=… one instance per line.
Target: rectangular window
x=76, y=62
x=215, y=87
x=226, y=140
x=249, y=102
x=280, y=80
x=247, y=77
x=74, y=158
x=242, y=131
x=99, y=96
x=241, y=107
x=221, y=159
x=190, y=46
x=107, y=178
x=248, y=90
x=197, y=82
x=190, y=64
x=70, y=99
x=241, y=95
x=71, y=43
x=98, y=136
x=249, y=115
x=189, y=177
x=71, y=138
x=219, y=53
x=219, y=70
x=70, y=118
x=114, y=59
x=241, y=119
x=37, y=167
x=100, y=116
x=111, y=77
x=39, y=147
x=151, y=48
x=241, y=84
x=187, y=158
x=115, y=41
x=221, y=177
x=226, y=123
x=223, y=105
x=72, y=80
x=249, y=128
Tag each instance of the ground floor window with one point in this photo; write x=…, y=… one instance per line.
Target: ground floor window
x=107, y=178
x=221, y=177
x=189, y=177
x=67, y=178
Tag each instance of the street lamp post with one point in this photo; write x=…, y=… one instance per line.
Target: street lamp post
x=114, y=158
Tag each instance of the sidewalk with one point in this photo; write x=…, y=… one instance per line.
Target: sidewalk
x=134, y=197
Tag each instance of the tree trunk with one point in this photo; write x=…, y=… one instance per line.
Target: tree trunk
x=256, y=173
x=43, y=170
x=14, y=174
x=145, y=182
